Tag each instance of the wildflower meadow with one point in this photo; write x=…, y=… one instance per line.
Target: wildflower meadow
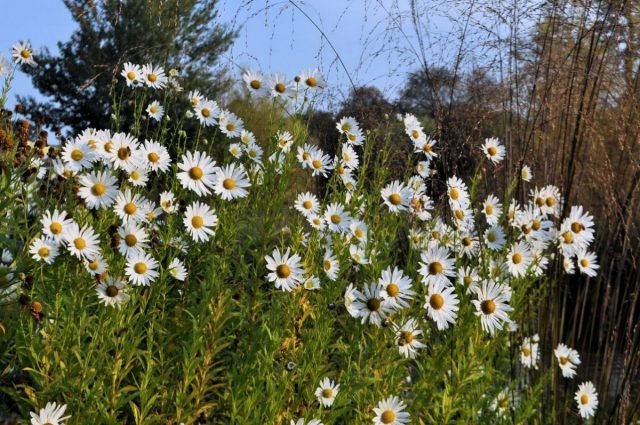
x=207, y=261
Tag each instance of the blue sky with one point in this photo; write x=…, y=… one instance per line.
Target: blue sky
x=274, y=37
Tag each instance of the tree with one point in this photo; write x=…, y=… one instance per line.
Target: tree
x=80, y=82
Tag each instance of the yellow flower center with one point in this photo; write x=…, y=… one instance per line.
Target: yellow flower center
x=388, y=417
x=98, y=189
x=80, y=243
x=108, y=146
x=197, y=222
x=196, y=173
x=577, y=227
x=459, y=214
x=77, y=154
x=436, y=301
x=426, y=148
x=326, y=264
x=280, y=88
x=584, y=399
x=466, y=241
x=491, y=237
x=135, y=175
x=405, y=337
x=327, y=393
x=124, y=153
x=56, y=228
x=359, y=233
x=488, y=209
x=140, y=268
x=395, y=199
x=492, y=150
x=584, y=262
x=283, y=271
x=94, y=265
x=415, y=134
x=229, y=183
x=467, y=280
x=131, y=75
x=44, y=252
x=317, y=164
x=92, y=143
x=536, y=225
x=130, y=208
x=335, y=219
x=567, y=237
x=255, y=84
x=393, y=289
x=526, y=352
x=503, y=403
x=563, y=360
x=311, y=82
x=112, y=291
x=346, y=127
x=130, y=240
x=516, y=258
x=231, y=126
x=550, y=201
x=454, y=193
x=488, y=306
x=352, y=137
x=152, y=77
x=307, y=205
x=25, y=54
x=435, y=268
x=153, y=109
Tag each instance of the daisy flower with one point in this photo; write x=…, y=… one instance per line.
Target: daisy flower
x=355, y=138
x=468, y=278
x=133, y=239
x=23, y=54
x=371, y=306
x=580, y=223
x=195, y=98
x=391, y=412
x=492, y=210
x=327, y=392
x=95, y=265
x=50, y=415
x=154, y=77
x=125, y=153
x=62, y=170
x=285, y=270
x=436, y=266
x=235, y=149
x=337, y=219
x=492, y=306
x=155, y=110
x=132, y=74
x=206, y=112
x=425, y=145
x=253, y=80
x=320, y=163
x=77, y=155
x=254, y=152
x=568, y=360
x=358, y=254
x=130, y=207
x=230, y=182
x=330, y=265
x=198, y=170
x=396, y=196
x=529, y=352
x=407, y=338
x=230, y=124
x=112, y=292
x=587, y=262
x=81, y=242
x=494, y=150
x=177, y=270
x=44, y=249
x=168, y=202
x=504, y=402
x=284, y=141
x=98, y=189
x=307, y=203
x=311, y=283
x=199, y=220
x=351, y=303
x=587, y=399
x=347, y=124
x=358, y=230
x=519, y=259
x=395, y=288
x=442, y=304
x=494, y=238
x=312, y=79
x=141, y=268
x=316, y=221
x=54, y=224
x=279, y=87
x=138, y=175
x=5, y=66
